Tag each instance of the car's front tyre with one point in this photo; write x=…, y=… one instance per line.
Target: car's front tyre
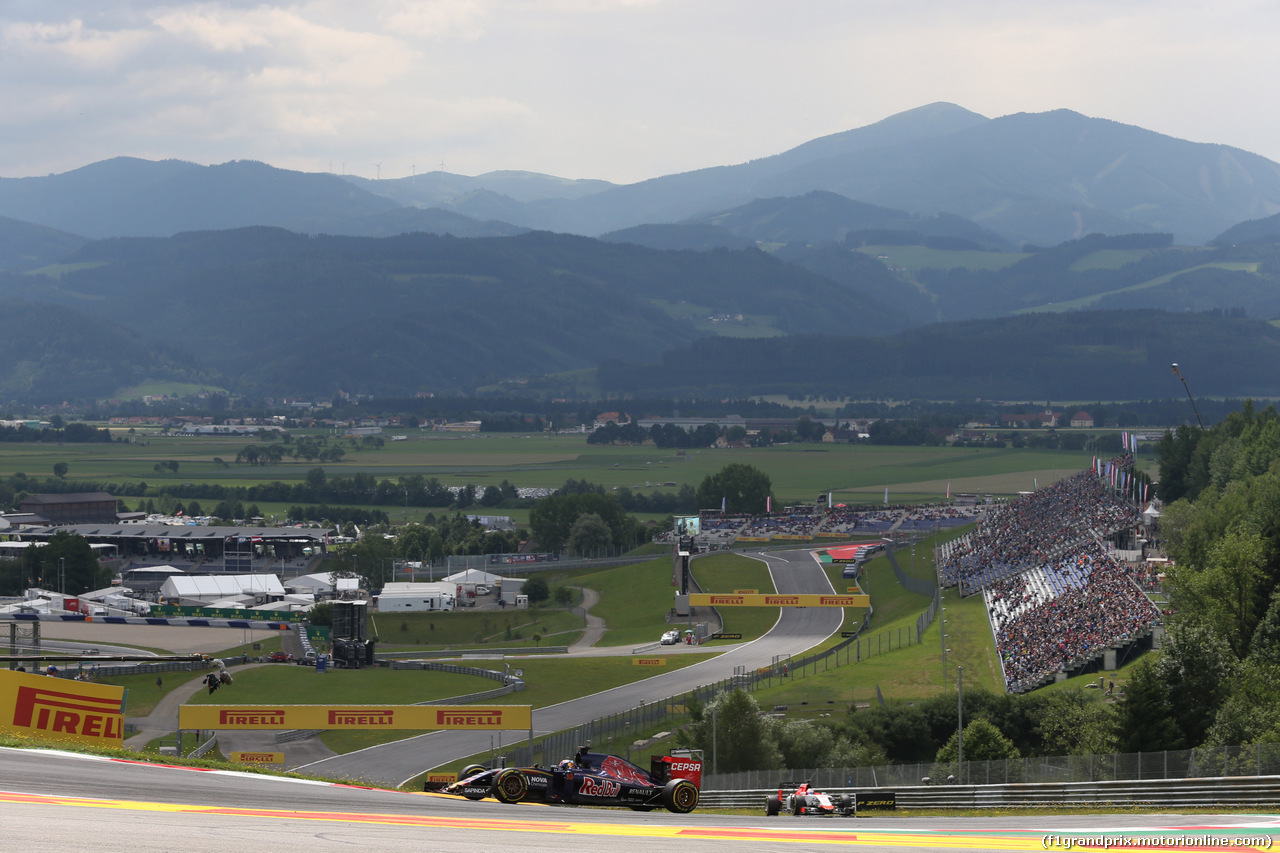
x=510, y=786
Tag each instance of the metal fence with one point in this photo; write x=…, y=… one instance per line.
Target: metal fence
x=1262, y=792
x=1225, y=761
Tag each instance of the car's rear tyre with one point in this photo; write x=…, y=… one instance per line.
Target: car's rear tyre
x=772, y=805
x=510, y=786
x=470, y=770
x=845, y=804
x=680, y=796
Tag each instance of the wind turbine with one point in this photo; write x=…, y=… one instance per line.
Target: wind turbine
x=378, y=166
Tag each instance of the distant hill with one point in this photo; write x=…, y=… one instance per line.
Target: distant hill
x=699, y=238
x=56, y=353
x=271, y=310
x=1037, y=178
x=1122, y=355
x=1253, y=231
x=1040, y=178
x=24, y=246
x=825, y=217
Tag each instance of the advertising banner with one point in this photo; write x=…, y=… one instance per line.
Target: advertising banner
x=325, y=717
x=49, y=708
x=257, y=757
x=711, y=599
x=228, y=613
x=649, y=661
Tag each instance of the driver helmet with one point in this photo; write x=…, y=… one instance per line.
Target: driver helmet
x=565, y=764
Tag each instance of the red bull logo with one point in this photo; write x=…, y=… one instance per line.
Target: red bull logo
x=58, y=713
x=362, y=718
x=599, y=787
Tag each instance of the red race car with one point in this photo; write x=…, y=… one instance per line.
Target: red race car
x=805, y=800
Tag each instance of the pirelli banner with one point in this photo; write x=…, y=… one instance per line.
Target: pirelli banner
x=711, y=599
x=390, y=717
x=49, y=708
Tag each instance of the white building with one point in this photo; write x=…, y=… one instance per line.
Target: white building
x=204, y=590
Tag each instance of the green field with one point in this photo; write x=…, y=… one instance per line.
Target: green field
x=914, y=258
x=1086, y=301
x=854, y=473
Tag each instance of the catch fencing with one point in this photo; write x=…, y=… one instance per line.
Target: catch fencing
x=1261, y=759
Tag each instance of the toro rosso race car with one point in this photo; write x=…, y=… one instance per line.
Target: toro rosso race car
x=588, y=779
x=805, y=800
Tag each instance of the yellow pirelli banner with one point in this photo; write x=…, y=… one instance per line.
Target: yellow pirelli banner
x=648, y=661
x=49, y=708
x=711, y=599
x=390, y=717
x=256, y=757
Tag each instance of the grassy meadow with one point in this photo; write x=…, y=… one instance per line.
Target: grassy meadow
x=852, y=473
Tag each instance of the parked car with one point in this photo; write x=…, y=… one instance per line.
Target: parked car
x=671, y=638
x=278, y=657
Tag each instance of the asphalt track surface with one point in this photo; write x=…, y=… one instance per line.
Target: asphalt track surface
x=797, y=630
x=53, y=802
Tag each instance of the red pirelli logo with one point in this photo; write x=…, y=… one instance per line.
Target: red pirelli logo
x=251, y=717
x=362, y=717
x=479, y=717
x=781, y=600
x=727, y=599
x=67, y=713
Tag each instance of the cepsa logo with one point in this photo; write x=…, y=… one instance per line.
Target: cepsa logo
x=362, y=717
x=686, y=765
x=251, y=717
x=599, y=787
x=67, y=713
x=491, y=717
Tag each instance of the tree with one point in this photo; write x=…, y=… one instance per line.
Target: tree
x=739, y=487
x=565, y=596
x=536, y=589
x=71, y=556
x=60, y=469
x=982, y=742
x=744, y=740
x=589, y=533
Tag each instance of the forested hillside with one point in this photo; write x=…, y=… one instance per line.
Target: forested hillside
x=1118, y=355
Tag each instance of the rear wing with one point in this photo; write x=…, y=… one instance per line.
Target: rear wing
x=664, y=768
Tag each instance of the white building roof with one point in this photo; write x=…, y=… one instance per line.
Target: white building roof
x=400, y=588
x=221, y=586
x=474, y=576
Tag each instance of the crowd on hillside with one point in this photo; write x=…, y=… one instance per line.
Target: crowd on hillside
x=1037, y=528
x=1063, y=613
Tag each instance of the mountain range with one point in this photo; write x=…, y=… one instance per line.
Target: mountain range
x=271, y=281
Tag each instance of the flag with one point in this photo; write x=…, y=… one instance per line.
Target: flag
x=1035, y=484
x=886, y=495
x=722, y=500
x=828, y=500
x=768, y=504
x=948, y=490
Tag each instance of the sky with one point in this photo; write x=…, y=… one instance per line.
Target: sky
x=620, y=90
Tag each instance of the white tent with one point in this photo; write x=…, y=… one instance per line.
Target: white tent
x=475, y=576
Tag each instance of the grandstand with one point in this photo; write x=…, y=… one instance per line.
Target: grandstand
x=1056, y=597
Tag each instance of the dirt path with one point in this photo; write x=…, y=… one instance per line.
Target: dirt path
x=595, y=625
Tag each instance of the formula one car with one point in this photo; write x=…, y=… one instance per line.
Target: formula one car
x=804, y=800
x=588, y=779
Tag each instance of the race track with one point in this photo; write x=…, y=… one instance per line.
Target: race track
x=796, y=631
x=52, y=802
